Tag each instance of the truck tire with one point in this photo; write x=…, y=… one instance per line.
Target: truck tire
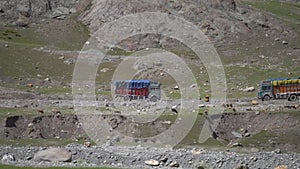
x=293, y=98
x=266, y=98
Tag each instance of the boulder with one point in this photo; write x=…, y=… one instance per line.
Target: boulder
x=8, y=158
x=236, y=134
x=174, y=164
x=53, y=155
x=281, y=167
x=254, y=102
x=23, y=21
x=152, y=162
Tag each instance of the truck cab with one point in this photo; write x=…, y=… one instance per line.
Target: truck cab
x=155, y=92
x=265, y=90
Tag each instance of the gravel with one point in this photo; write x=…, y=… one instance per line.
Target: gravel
x=135, y=157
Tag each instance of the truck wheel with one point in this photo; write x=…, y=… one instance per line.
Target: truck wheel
x=266, y=98
x=293, y=98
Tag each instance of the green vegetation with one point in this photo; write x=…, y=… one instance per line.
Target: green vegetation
x=192, y=138
x=17, y=167
x=287, y=12
x=271, y=140
x=23, y=111
x=119, y=52
x=6, y=112
x=38, y=142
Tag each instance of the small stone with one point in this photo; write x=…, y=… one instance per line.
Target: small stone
x=193, y=86
x=247, y=135
x=69, y=61
x=277, y=151
x=163, y=159
x=284, y=42
x=41, y=111
x=104, y=70
x=196, y=152
x=152, y=162
x=61, y=58
x=249, y=109
x=201, y=105
x=73, y=10
x=236, y=134
x=87, y=144
x=29, y=85
x=281, y=167
x=48, y=79
x=30, y=125
x=167, y=122
x=249, y=89
x=176, y=88
x=28, y=158
x=236, y=144
x=23, y=21
x=254, y=102
x=174, y=164
x=8, y=158
x=6, y=45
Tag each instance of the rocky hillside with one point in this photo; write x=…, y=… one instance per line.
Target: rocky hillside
x=218, y=19
x=23, y=12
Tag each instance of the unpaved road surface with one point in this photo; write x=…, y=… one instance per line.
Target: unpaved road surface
x=135, y=157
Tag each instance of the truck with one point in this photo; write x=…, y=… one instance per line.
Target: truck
x=279, y=88
x=137, y=89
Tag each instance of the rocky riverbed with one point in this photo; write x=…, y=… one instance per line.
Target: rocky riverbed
x=150, y=157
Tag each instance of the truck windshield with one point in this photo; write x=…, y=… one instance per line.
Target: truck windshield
x=266, y=88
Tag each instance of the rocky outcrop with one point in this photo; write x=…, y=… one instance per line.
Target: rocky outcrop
x=53, y=155
x=16, y=11
x=217, y=19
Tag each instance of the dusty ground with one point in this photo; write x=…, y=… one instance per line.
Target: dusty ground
x=36, y=106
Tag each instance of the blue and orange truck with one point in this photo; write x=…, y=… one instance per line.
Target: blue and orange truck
x=279, y=88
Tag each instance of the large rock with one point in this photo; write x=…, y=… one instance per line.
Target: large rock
x=281, y=167
x=152, y=162
x=54, y=155
x=12, y=9
x=7, y=158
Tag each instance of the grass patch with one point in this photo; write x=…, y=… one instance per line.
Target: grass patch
x=285, y=11
x=38, y=142
x=118, y=52
x=55, y=90
x=193, y=136
x=23, y=111
x=271, y=140
x=20, y=36
x=288, y=12
x=6, y=112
